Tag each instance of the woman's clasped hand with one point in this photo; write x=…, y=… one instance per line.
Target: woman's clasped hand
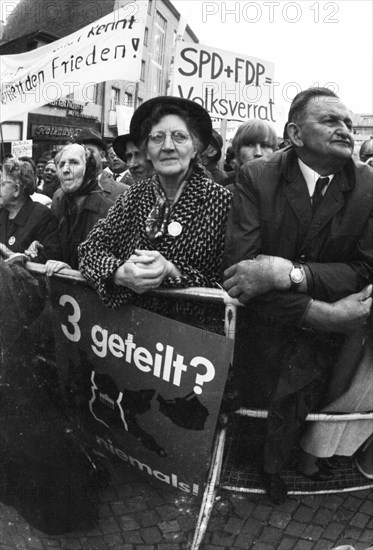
x=144, y=270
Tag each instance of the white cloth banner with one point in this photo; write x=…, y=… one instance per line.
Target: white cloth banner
x=107, y=49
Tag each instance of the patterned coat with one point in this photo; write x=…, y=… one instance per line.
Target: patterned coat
x=202, y=213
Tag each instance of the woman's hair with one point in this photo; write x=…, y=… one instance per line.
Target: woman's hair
x=254, y=131
x=22, y=173
x=30, y=160
x=161, y=111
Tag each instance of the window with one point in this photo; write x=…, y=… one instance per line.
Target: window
x=114, y=98
x=12, y=131
x=156, y=77
x=150, y=6
x=159, y=34
x=139, y=101
x=128, y=99
x=146, y=36
x=142, y=72
x=98, y=93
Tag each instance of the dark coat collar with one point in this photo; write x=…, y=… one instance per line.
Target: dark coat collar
x=291, y=171
x=296, y=191
x=22, y=216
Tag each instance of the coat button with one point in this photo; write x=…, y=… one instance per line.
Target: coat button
x=303, y=259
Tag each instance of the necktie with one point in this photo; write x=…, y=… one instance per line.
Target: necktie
x=317, y=195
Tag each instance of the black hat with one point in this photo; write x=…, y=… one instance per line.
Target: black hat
x=119, y=145
x=217, y=142
x=202, y=120
x=88, y=135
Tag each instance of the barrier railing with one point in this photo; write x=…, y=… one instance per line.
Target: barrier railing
x=215, y=474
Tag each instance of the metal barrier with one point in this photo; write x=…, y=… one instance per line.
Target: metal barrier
x=219, y=473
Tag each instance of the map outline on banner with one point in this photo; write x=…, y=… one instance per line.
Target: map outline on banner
x=130, y=412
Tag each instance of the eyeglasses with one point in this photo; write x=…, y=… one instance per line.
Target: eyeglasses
x=178, y=137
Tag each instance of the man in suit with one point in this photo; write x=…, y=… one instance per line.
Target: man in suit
x=117, y=167
x=138, y=165
x=299, y=253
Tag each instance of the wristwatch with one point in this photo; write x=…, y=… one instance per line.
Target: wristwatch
x=296, y=276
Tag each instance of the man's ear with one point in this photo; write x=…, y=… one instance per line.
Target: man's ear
x=212, y=152
x=17, y=189
x=295, y=134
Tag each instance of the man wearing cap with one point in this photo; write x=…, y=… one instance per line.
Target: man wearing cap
x=94, y=142
x=210, y=158
x=299, y=252
x=136, y=161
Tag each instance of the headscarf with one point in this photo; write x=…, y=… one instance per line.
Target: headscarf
x=71, y=201
x=90, y=175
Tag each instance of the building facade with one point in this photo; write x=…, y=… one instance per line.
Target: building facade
x=35, y=23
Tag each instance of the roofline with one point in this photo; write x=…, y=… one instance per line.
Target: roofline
x=172, y=8
x=35, y=34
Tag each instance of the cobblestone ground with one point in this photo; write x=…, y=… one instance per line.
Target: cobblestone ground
x=137, y=516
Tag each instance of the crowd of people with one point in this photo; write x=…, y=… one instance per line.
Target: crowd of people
x=284, y=226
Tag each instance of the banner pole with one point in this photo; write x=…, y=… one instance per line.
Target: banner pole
x=223, y=133
x=2, y=142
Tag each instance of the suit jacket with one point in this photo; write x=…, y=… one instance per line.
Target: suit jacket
x=271, y=214
x=34, y=222
x=111, y=187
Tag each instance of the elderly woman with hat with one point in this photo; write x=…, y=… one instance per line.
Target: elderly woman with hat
x=168, y=229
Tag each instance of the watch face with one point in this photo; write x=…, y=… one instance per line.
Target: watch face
x=296, y=275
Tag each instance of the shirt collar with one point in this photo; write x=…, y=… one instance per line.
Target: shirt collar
x=311, y=177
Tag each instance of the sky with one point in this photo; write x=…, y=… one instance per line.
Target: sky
x=309, y=42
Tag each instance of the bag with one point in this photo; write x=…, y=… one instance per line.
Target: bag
x=53, y=484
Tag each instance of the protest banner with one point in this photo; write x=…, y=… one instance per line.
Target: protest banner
x=22, y=148
x=107, y=49
x=228, y=85
x=146, y=388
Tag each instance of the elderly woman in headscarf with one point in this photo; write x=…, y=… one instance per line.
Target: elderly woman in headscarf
x=167, y=230
x=79, y=204
x=25, y=226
